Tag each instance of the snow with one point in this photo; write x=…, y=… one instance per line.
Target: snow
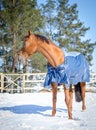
x=32, y=111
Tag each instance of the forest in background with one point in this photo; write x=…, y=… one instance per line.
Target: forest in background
x=55, y=19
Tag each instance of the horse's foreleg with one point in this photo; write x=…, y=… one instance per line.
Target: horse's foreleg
x=71, y=98
x=83, y=89
x=54, y=92
x=68, y=100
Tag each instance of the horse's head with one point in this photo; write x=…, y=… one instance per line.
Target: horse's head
x=29, y=47
x=30, y=44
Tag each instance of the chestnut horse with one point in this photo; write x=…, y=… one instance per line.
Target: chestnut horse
x=35, y=43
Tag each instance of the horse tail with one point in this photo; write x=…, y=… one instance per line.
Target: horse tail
x=78, y=92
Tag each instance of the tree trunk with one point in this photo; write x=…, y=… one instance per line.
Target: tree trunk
x=14, y=53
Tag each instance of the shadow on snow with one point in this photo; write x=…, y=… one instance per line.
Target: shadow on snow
x=30, y=109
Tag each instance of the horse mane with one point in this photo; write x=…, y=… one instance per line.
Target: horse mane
x=42, y=38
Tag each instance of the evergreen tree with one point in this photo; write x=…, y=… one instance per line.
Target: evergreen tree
x=69, y=30
x=72, y=30
x=48, y=11
x=39, y=63
x=16, y=18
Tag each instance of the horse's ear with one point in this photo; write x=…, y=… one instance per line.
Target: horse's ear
x=29, y=32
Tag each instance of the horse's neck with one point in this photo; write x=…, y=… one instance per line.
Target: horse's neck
x=53, y=54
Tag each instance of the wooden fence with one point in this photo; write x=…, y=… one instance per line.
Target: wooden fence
x=27, y=82
x=21, y=83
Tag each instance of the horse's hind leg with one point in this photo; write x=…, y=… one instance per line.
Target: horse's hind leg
x=68, y=100
x=54, y=92
x=83, y=89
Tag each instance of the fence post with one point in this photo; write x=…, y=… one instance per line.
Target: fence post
x=2, y=82
x=23, y=87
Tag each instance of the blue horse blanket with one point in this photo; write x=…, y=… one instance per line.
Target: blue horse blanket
x=74, y=69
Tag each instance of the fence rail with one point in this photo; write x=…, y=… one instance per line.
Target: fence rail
x=27, y=82
x=21, y=83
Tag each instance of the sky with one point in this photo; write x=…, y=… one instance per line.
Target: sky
x=87, y=15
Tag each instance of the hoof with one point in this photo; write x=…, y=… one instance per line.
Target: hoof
x=70, y=117
x=53, y=113
x=83, y=108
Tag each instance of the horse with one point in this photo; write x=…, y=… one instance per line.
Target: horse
x=55, y=56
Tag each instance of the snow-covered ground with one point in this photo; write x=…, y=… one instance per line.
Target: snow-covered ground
x=33, y=112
